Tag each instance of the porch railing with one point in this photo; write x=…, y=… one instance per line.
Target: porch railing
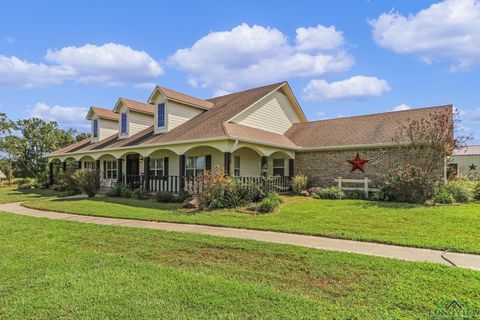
x=173, y=183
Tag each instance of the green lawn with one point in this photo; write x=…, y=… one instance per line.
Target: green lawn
x=59, y=269
x=11, y=194
x=455, y=227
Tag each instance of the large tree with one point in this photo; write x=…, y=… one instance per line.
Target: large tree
x=36, y=138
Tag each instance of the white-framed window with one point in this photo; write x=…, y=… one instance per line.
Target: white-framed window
x=236, y=166
x=123, y=122
x=161, y=115
x=111, y=169
x=95, y=128
x=279, y=167
x=195, y=166
x=157, y=167
x=89, y=165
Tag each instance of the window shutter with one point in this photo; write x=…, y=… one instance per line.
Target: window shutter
x=104, y=169
x=165, y=166
x=208, y=162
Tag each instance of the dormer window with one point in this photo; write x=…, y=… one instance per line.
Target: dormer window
x=123, y=122
x=95, y=128
x=161, y=115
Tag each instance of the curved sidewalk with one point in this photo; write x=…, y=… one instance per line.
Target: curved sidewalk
x=469, y=261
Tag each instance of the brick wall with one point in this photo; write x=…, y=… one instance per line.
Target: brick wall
x=323, y=167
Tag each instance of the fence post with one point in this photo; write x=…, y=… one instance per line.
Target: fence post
x=365, y=187
x=340, y=183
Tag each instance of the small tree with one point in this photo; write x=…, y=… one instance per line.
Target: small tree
x=425, y=145
x=88, y=181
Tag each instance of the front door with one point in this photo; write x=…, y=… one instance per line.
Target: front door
x=133, y=169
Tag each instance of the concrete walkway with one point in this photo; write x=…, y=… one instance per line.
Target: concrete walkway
x=469, y=261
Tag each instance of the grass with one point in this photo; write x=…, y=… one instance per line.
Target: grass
x=68, y=270
x=455, y=227
x=11, y=194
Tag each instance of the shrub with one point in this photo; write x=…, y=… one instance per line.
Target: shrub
x=117, y=191
x=65, y=182
x=355, y=194
x=140, y=194
x=235, y=194
x=164, y=196
x=214, y=190
x=87, y=181
x=460, y=190
x=275, y=197
x=409, y=184
x=476, y=192
x=329, y=193
x=299, y=183
x=267, y=205
x=443, y=195
x=126, y=192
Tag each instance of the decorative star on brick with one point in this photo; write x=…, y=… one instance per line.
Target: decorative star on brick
x=357, y=163
x=473, y=167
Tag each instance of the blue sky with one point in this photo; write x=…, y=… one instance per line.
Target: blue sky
x=342, y=58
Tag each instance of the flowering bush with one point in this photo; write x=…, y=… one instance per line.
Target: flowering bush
x=214, y=190
x=476, y=192
x=409, y=184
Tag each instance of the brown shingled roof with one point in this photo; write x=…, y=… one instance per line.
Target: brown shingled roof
x=210, y=123
x=103, y=113
x=185, y=98
x=239, y=131
x=73, y=147
x=138, y=106
x=371, y=129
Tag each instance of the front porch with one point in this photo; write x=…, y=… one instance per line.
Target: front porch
x=165, y=169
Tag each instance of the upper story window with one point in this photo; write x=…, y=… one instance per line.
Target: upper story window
x=95, y=128
x=161, y=115
x=123, y=122
x=279, y=167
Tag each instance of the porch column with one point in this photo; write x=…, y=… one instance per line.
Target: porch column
x=64, y=166
x=227, y=161
x=119, y=171
x=146, y=172
x=182, y=172
x=97, y=167
x=79, y=164
x=291, y=167
x=50, y=173
x=264, y=166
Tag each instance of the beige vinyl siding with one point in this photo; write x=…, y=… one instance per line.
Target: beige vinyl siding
x=273, y=113
x=107, y=128
x=138, y=121
x=175, y=114
x=464, y=162
x=250, y=162
x=179, y=113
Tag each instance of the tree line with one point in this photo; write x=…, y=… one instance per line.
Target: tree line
x=25, y=143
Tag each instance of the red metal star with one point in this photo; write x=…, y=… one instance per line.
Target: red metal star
x=357, y=163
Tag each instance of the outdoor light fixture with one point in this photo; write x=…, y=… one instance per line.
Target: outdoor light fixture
x=141, y=160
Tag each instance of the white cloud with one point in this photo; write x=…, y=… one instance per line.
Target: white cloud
x=67, y=117
x=9, y=39
x=318, y=38
x=252, y=55
x=22, y=74
x=402, y=107
x=357, y=87
x=110, y=64
x=448, y=30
